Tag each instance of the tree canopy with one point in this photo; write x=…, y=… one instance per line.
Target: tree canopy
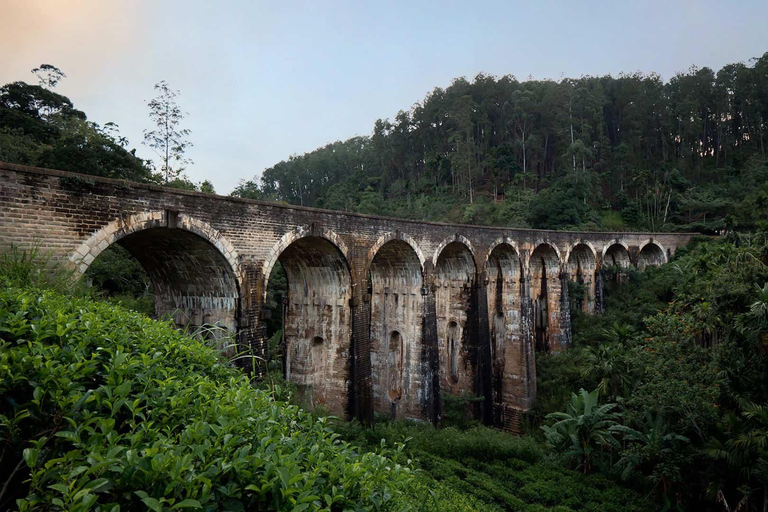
x=630, y=151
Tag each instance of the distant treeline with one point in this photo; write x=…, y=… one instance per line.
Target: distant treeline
x=597, y=152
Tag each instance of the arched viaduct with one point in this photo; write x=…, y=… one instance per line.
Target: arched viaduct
x=383, y=314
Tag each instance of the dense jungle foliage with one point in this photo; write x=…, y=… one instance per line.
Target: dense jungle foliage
x=601, y=153
x=668, y=390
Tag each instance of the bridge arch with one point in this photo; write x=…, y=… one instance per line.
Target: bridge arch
x=396, y=285
x=505, y=275
x=316, y=338
x=545, y=290
x=454, y=280
x=194, y=269
x=461, y=239
x=388, y=237
x=580, y=267
x=291, y=237
x=651, y=254
x=616, y=254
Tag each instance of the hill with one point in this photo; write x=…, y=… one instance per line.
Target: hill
x=614, y=153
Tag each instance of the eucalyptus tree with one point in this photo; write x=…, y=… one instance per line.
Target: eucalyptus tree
x=168, y=139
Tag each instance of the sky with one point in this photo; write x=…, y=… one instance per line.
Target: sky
x=263, y=80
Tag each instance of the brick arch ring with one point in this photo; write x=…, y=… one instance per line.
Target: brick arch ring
x=651, y=241
x=297, y=234
x=581, y=242
x=395, y=235
x=121, y=227
x=503, y=240
x=539, y=242
x=455, y=238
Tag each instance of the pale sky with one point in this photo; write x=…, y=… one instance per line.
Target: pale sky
x=264, y=80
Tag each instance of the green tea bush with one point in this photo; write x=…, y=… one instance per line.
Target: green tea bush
x=103, y=409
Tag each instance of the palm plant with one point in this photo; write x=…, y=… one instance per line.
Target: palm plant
x=652, y=446
x=608, y=365
x=583, y=432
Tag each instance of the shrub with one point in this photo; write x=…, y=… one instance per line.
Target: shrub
x=103, y=409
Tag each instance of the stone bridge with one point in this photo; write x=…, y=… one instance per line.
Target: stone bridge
x=383, y=315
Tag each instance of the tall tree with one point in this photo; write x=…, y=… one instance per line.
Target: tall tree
x=168, y=139
x=48, y=75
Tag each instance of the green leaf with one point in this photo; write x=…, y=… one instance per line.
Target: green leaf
x=188, y=503
x=30, y=457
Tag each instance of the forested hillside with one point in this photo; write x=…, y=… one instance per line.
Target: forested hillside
x=626, y=152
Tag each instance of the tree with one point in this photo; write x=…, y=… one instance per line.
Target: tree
x=584, y=431
x=168, y=139
x=48, y=75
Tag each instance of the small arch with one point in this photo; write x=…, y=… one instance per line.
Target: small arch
x=502, y=241
x=460, y=239
x=651, y=255
x=549, y=251
x=292, y=236
x=455, y=262
x=544, y=257
x=582, y=247
x=616, y=255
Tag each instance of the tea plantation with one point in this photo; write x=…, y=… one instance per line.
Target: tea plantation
x=104, y=409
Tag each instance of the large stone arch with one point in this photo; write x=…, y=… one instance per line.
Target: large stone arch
x=194, y=269
x=454, y=279
x=580, y=267
x=651, y=254
x=292, y=236
x=388, y=237
x=398, y=367
x=547, y=295
x=317, y=323
x=88, y=250
x=511, y=356
x=616, y=254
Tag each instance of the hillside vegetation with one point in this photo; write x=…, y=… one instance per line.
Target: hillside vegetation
x=605, y=153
